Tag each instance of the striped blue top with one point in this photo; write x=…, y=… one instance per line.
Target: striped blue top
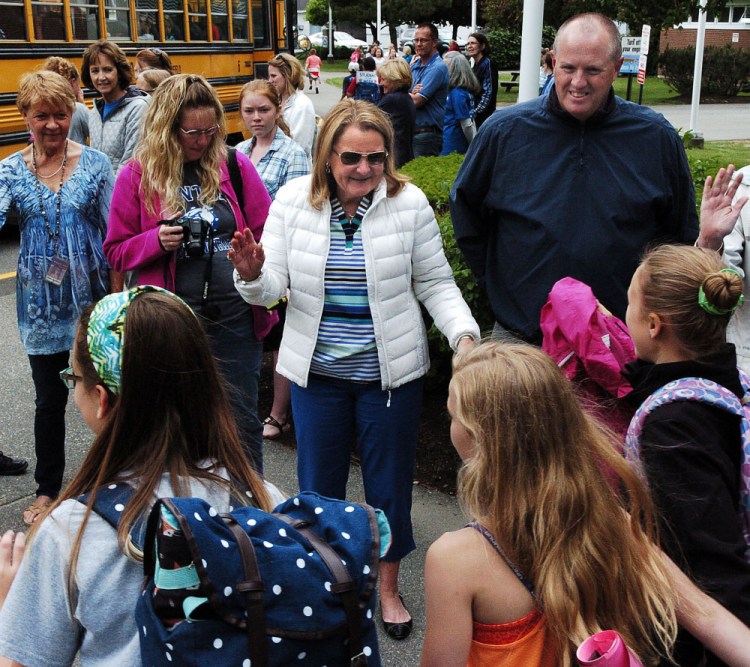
x=346, y=337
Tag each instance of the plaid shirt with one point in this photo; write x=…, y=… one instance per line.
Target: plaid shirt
x=284, y=161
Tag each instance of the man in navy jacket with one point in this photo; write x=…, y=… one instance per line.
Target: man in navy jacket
x=576, y=183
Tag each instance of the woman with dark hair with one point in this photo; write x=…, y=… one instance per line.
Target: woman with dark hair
x=174, y=211
x=152, y=58
x=478, y=48
x=115, y=120
x=359, y=249
x=60, y=191
x=145, y=380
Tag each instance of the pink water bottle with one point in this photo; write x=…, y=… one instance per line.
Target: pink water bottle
x=606, y=649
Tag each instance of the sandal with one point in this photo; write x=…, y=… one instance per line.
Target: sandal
x=39, y=506
x=281, y=427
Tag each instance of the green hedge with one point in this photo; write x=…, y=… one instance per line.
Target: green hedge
x=725, y=69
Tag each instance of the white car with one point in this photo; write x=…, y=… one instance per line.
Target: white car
x=318, y=40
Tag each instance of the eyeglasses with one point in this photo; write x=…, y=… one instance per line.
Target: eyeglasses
x=209, y=132
x=69, y=378
x=423, y=40
x=350, y=158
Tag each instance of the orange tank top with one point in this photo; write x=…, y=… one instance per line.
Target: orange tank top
x=520, y=643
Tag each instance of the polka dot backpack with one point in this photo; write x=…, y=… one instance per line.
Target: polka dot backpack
x=257, y=589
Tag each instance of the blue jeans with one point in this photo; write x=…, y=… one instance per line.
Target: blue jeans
x=240, y=355
x=330, y=415
x=49, y=421
x=427, y=144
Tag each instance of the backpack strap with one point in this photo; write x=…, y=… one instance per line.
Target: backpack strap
x=235, y=176
x=109, y=503
x=252, y=589
x=344, y=585
x=711, y=393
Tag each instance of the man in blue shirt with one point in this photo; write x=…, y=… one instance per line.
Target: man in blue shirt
x=429, y=91
x=576, y=183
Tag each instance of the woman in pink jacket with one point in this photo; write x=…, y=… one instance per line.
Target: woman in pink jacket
x=173, y=212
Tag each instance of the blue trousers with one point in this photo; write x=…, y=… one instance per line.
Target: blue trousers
x=49, y=421
x=240, y=356
x=330, y=415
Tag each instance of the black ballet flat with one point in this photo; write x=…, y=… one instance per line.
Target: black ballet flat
x=397, y=631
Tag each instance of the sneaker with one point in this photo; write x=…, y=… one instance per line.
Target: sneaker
x=10, y=466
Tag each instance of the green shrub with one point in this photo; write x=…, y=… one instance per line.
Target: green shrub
x=435, y=176
x=725, y=69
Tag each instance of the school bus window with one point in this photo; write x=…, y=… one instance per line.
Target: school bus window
x=84, y=15
x=174, y=20
x=118, y=19
x=12, y=20
x=148, y=20
x=261, y=24
x=219, y=20
x=48, y=20
x=240, y=32
x=198, y=18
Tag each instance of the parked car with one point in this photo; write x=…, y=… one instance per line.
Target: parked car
x=319, y=40
x=445, y=36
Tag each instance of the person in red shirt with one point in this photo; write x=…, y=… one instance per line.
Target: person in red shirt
x=312, y=65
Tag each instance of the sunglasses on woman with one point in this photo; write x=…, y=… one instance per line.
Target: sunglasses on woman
x=350, y=158
x=209, y=132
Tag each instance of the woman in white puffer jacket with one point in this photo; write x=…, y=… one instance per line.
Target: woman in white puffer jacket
x=359, y=249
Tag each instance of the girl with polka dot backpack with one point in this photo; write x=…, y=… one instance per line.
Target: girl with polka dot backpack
x=146, y=383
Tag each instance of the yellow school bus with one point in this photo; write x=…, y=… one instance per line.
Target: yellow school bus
x=228, y=41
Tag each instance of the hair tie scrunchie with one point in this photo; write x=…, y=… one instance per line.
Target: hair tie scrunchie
x=105, y=335
x=713, y=310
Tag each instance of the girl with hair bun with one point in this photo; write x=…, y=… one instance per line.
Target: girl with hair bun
x=679, y=304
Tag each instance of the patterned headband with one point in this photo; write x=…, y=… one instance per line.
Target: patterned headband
x=105, y=335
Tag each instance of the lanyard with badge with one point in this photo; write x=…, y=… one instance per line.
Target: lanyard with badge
x=58, y=266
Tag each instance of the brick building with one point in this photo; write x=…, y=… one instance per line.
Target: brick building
x=730, y=25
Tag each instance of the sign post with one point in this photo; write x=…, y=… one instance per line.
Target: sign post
x=631, y=49
x=645, y=37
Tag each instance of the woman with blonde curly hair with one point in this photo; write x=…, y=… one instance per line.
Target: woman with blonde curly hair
x=174, y=211
x=359, y=249
x=286, y=74
x=553, y=554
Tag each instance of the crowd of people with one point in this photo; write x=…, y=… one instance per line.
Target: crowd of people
x=156, y=263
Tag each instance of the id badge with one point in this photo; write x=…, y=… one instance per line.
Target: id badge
x=58, y=267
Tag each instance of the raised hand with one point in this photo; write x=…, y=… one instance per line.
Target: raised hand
x=718, y=214
x=246, y=255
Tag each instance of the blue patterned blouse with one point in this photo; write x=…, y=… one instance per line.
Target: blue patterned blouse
x=47, y=313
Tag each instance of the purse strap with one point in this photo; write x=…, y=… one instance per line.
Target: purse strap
x=235, y=176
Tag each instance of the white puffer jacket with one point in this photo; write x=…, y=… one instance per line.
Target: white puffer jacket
x=737, y=256
x=404, y=263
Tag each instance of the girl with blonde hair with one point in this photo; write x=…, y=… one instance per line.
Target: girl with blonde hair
x=174, y=210
x=286, y=74
x=396, y=79
x=691, y=453
x=553, y=554
x=278, y=159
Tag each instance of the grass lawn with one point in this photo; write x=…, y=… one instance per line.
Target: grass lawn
x=736, y=152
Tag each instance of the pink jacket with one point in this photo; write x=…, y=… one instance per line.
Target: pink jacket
x=591, y=348
x=132, y=242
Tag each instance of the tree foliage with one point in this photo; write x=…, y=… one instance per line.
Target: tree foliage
x=317, y=12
